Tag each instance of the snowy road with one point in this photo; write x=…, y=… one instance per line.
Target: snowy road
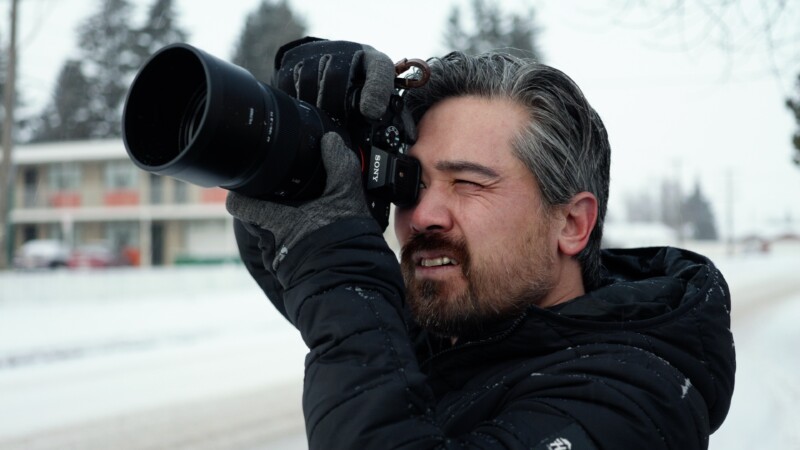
x=197, y=359
x=765, y=411
x=181, y=359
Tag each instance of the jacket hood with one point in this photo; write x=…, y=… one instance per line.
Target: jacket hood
x=678, y=302
x=669, y=302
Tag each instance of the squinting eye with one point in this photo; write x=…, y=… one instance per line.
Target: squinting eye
x=467, y=182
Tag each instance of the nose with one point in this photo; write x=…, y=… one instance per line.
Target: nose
x=431, y=213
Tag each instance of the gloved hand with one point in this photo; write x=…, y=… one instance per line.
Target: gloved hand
x=328, y=73
x=343, y=197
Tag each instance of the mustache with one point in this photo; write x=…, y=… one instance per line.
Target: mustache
x=457, y=248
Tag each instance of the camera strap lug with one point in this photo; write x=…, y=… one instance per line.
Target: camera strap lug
x=423, y=70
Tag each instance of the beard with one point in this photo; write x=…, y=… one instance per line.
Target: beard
x=496, y=287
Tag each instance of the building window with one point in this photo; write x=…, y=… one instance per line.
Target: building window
x=121, y=188
x=181, y=191
x=120, y=175
x=156, y=189
x=55, y=231
x=29, y=233
x=122, y=234
x=64, y=180
x=30, y=186
x=64, y=176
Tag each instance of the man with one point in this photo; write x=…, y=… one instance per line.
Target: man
x=506, y=326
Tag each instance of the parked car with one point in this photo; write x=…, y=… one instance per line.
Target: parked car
x=41, y=254
x=96, y=255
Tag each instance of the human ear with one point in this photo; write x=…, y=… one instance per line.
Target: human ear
x=580, y=216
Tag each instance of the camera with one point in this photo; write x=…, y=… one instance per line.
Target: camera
x=197, y=118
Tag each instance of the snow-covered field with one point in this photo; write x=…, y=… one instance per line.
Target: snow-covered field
x=92, y=358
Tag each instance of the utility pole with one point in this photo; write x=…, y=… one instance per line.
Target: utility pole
x=731, y=241
x=6, y=165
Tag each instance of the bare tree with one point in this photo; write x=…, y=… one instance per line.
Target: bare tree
x=762, y=30
x=794, y=106
x=739, y=28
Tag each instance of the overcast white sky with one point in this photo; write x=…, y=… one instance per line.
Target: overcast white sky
x=700, y=114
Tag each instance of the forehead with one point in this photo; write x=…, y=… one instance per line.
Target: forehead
x=470, y=128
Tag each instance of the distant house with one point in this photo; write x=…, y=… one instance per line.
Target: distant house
x=786, y=242
x=87, y=191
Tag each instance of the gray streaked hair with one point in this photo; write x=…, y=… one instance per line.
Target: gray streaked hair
x=565, y=144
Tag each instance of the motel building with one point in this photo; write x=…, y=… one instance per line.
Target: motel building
x=88, y=192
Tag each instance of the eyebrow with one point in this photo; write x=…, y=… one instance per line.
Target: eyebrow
x=466, y=166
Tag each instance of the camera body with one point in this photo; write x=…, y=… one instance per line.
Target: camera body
x=194, y=117
x=388, y=174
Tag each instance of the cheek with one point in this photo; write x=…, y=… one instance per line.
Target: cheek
x=505, y=230
x=495, y=225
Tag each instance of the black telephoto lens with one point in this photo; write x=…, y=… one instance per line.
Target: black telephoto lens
x=192, y=116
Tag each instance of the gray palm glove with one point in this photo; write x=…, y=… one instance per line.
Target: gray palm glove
x=343, y=197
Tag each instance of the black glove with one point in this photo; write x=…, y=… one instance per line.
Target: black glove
x=342, y=198
x=328, y=74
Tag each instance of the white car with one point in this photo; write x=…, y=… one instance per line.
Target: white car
x=41, y=254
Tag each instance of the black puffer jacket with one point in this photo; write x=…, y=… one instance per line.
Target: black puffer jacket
x=646, y=361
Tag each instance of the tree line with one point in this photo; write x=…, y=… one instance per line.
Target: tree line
x=689, y=215
x=88, y=95
x=87, y=99
x=89, y=92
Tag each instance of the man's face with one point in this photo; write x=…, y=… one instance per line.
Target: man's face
x=480, y=244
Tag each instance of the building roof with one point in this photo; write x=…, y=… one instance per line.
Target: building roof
x=68, y=151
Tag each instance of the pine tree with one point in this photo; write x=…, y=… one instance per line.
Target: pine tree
x=66, y=118
x=160, y=29
x=109, y=58
x=698, y=215
x=89, y=93
x=271, y=25
x=491, y=30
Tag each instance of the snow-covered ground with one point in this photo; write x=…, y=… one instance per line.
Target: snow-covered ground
x=116, y=350
x=82, y=347
x=765, y=411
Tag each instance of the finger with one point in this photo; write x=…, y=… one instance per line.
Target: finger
x=306, y=80
x=342, y=166
x=378, y=83
x=337, y=157
x=298, y=68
